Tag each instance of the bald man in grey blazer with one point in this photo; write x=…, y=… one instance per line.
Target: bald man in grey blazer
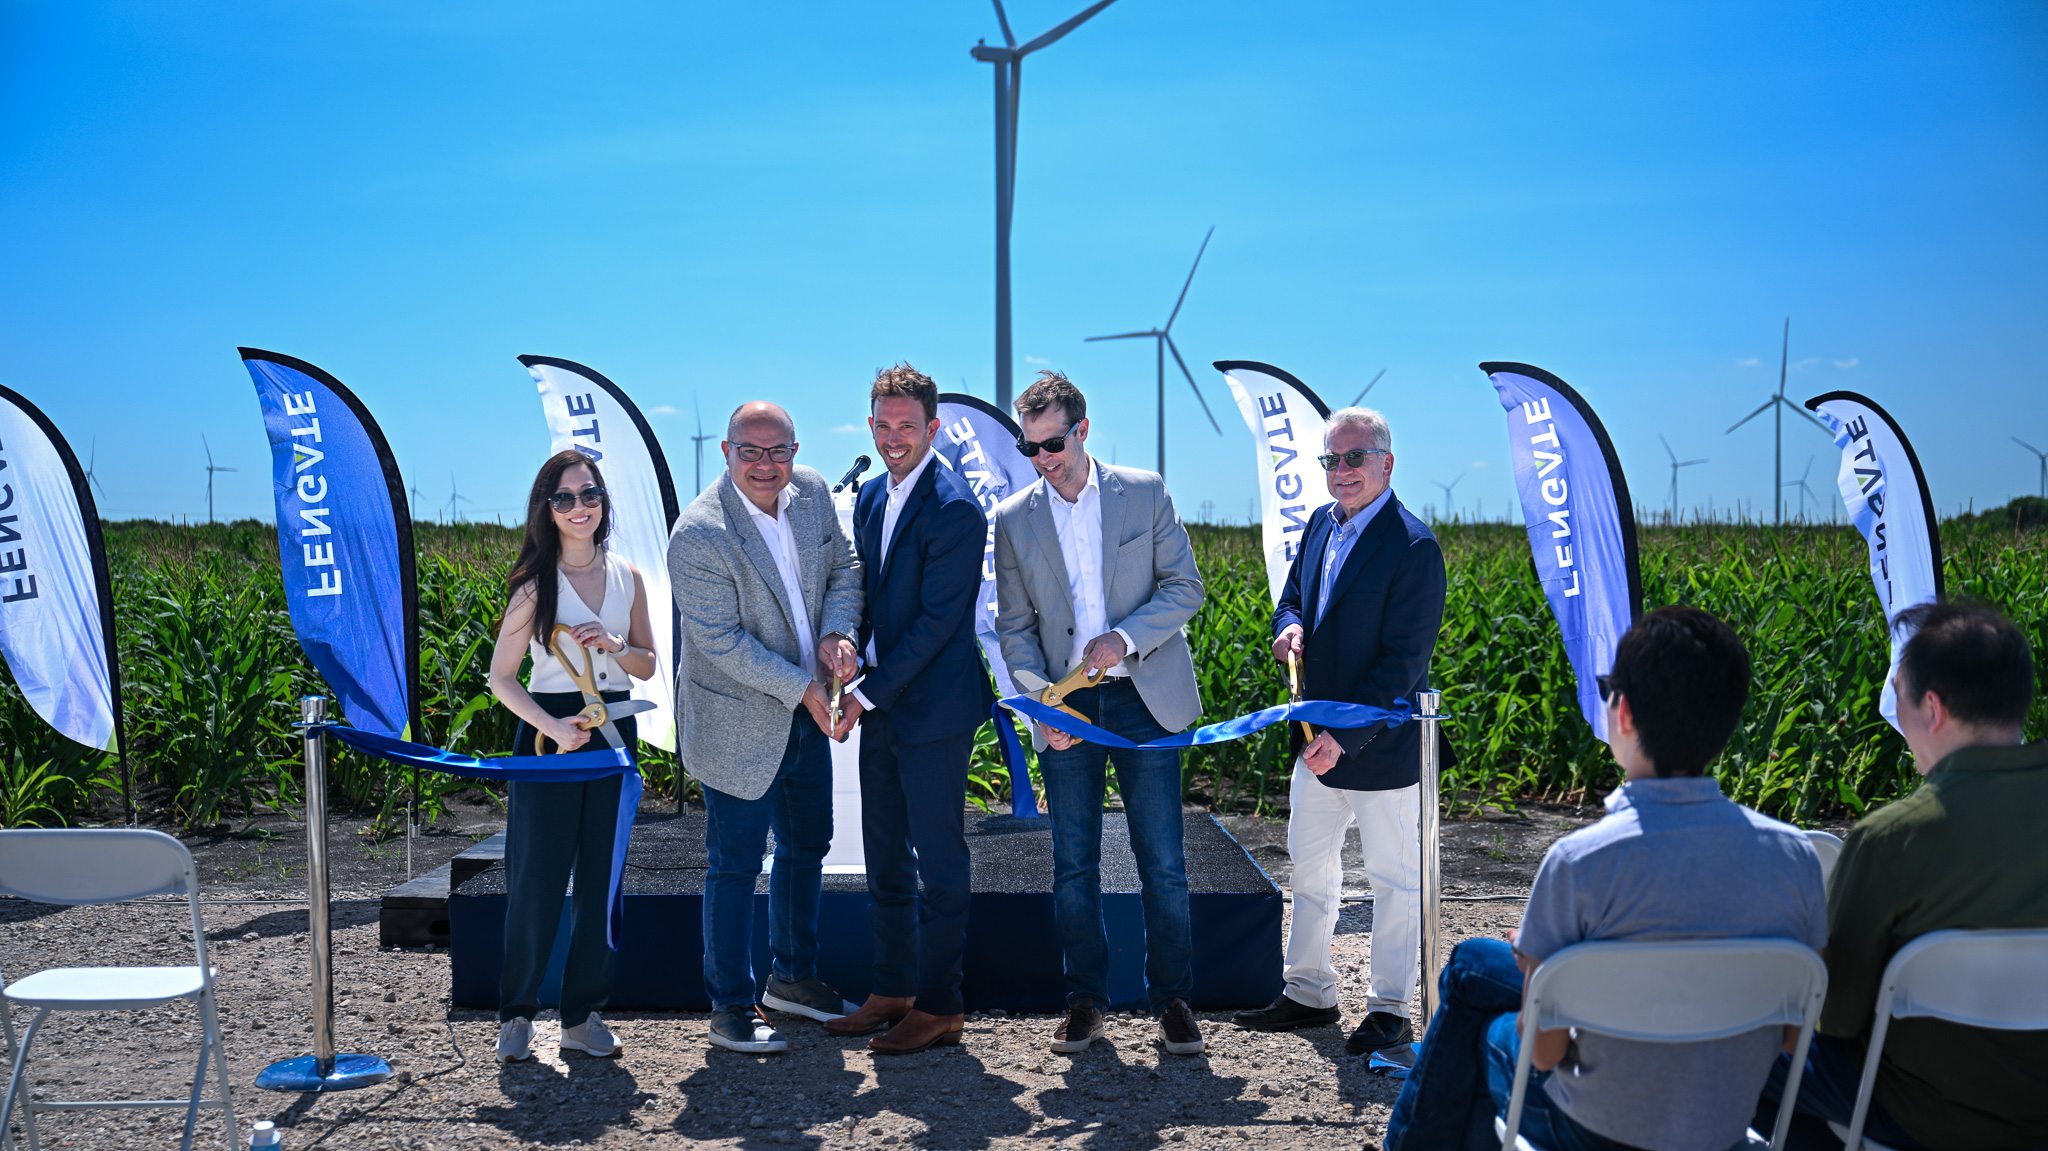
x=770, y=592
x=1093, y=567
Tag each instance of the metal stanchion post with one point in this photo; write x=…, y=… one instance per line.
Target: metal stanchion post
x=323, y=1070
x=1429, y=713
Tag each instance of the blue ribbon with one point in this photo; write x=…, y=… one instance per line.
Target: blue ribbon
x=1321, y=712
x=569, y=767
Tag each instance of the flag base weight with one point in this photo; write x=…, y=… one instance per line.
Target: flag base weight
x=301, y=1075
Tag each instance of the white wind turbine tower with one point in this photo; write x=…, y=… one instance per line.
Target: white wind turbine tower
x=93, y=480
x=1447, y=487
x=455, y=498
x=1162, y=344
x=1804, y=491
x=211, y=468
x=1782, y=405
x=1676, y=464
x=1009, y=72
x=699, y=440
x=2044, y=463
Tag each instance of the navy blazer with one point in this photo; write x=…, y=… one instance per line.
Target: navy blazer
x=1373, y=644
x=928, y=672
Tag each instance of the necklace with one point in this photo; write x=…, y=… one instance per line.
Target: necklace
x=595, y=553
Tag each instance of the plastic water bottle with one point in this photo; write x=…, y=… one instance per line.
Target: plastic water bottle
x=263, y=1136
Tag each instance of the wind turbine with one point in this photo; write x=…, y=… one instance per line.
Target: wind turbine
x=1448, y=507
x=455, y=497
x=1676, y=464
x=699, y=439
x=1367, y=388
x=1783, y=405
x=1009, y=73
x=2044, y=462
x=1804, y=491
x=1163, y=343
x=211, y=468
x=93, y=480
x=415, y=508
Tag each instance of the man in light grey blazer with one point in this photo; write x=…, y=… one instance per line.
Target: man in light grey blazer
x=770, y=592
x=1093, y=567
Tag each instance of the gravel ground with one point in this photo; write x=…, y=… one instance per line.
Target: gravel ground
x=1002, y=1088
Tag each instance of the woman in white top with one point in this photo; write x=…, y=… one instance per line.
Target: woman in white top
x=554, y=829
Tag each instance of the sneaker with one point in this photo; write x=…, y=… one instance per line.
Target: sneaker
x=745, y=1029
x=813, y=998
x=515, y=1040
x=1179, y=1033
x=1082, y=1026
x=1286, y=1013
x=1377, y=1030
x=591, y=1037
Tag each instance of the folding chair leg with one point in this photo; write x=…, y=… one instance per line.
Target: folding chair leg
x=198, y=1090
x=1789, y=1101
x=210, y=1019
x=28, y=1115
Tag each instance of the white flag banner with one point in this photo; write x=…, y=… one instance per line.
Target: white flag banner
x=56, y=601
x=1286, y=420
x=589, y=413
x=1886, y=492
x=979, y=443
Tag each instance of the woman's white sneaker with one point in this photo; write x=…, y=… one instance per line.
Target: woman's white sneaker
x=591, y=1037
x=515, y=1040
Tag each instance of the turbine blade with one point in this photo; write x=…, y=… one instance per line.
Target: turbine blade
x=1063, y=29
x=1125, y=336
x=1191, y=382
x=1356, y=400
x=1667, y=449
x=2028, y=446
x=208, y=447
x=1687, y=463
x=1005, y=22
x=1803, y=412
x=1754, y=414
x=1190, y=280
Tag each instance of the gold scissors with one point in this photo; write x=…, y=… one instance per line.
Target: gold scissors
x=832, y=707
x=1294, y=690
x=597, y=715
x=1056, y=695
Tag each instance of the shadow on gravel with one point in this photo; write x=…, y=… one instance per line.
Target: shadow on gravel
x=967, y=1111
x=551, y=1106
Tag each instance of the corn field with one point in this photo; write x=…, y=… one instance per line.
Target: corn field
x=211, y=673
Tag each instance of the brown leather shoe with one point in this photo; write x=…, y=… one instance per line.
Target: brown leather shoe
x=918, y=1031
x=877, y=1014
x=1082, y=1026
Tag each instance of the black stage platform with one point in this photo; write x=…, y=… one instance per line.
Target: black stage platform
x=1013, y=958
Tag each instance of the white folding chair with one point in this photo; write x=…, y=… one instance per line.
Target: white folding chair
x=102, y=866
x=1829, y=847
x=1687, y=991
x=1990, y=979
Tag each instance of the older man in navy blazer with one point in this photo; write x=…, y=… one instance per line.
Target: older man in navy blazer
x=1362, y=606
x=920, y=535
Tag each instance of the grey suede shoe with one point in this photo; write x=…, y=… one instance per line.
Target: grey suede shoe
x=813, y=998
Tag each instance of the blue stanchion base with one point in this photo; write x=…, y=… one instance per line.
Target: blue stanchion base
x=1394, y=1062
x=350, y=1072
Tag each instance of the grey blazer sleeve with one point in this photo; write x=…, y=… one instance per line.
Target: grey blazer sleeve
x=1177, y=583
x=1016, y=620
x=709, y=600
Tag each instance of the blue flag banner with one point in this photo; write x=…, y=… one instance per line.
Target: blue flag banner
x=979, y=443
x=571, y=767
x=1886, y=492
x=344, y=540
x=1582, y=526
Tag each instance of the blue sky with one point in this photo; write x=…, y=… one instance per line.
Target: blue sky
x=725, y=202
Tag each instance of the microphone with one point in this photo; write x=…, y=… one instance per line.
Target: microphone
x=852, y=476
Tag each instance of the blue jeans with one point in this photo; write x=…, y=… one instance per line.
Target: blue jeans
x=798, y=807
x=1827, y=1090
x=1465, y=1069
x=1150, y=784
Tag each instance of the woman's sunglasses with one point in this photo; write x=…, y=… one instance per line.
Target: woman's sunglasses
x=1353, y=458
x=1055, y=445
x=564, y=501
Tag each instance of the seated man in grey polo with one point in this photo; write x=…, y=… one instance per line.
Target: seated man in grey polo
x=1673, y=859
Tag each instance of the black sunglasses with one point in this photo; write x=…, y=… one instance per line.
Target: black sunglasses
x=1354, y=458
x=1055, y=445
x=564, y=501
x=1607, y=687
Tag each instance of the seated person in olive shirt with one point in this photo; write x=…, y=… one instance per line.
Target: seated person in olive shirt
x=1965, y=850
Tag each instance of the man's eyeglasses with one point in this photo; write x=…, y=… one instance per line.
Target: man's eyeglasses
x=1354, y=458
x=564, y=501
x=1055, y=445
x=1607, y=688
x=780, y=453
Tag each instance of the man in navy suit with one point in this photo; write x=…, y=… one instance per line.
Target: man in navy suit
x=1362, y=605
x=920, y=535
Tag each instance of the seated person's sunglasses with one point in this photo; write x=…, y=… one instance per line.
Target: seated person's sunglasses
x=1353, y=458
x=1055, y=445
x=563, y=501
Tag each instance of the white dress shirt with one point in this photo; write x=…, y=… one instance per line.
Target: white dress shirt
x=898, y=494
x=1343, y=538
x=1079, y=524
x=781, y=541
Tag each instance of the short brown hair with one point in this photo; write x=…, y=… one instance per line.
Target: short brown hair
x=1053, y=388
x=904, y=380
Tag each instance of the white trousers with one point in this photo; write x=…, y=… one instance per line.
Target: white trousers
x=1393, y=863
